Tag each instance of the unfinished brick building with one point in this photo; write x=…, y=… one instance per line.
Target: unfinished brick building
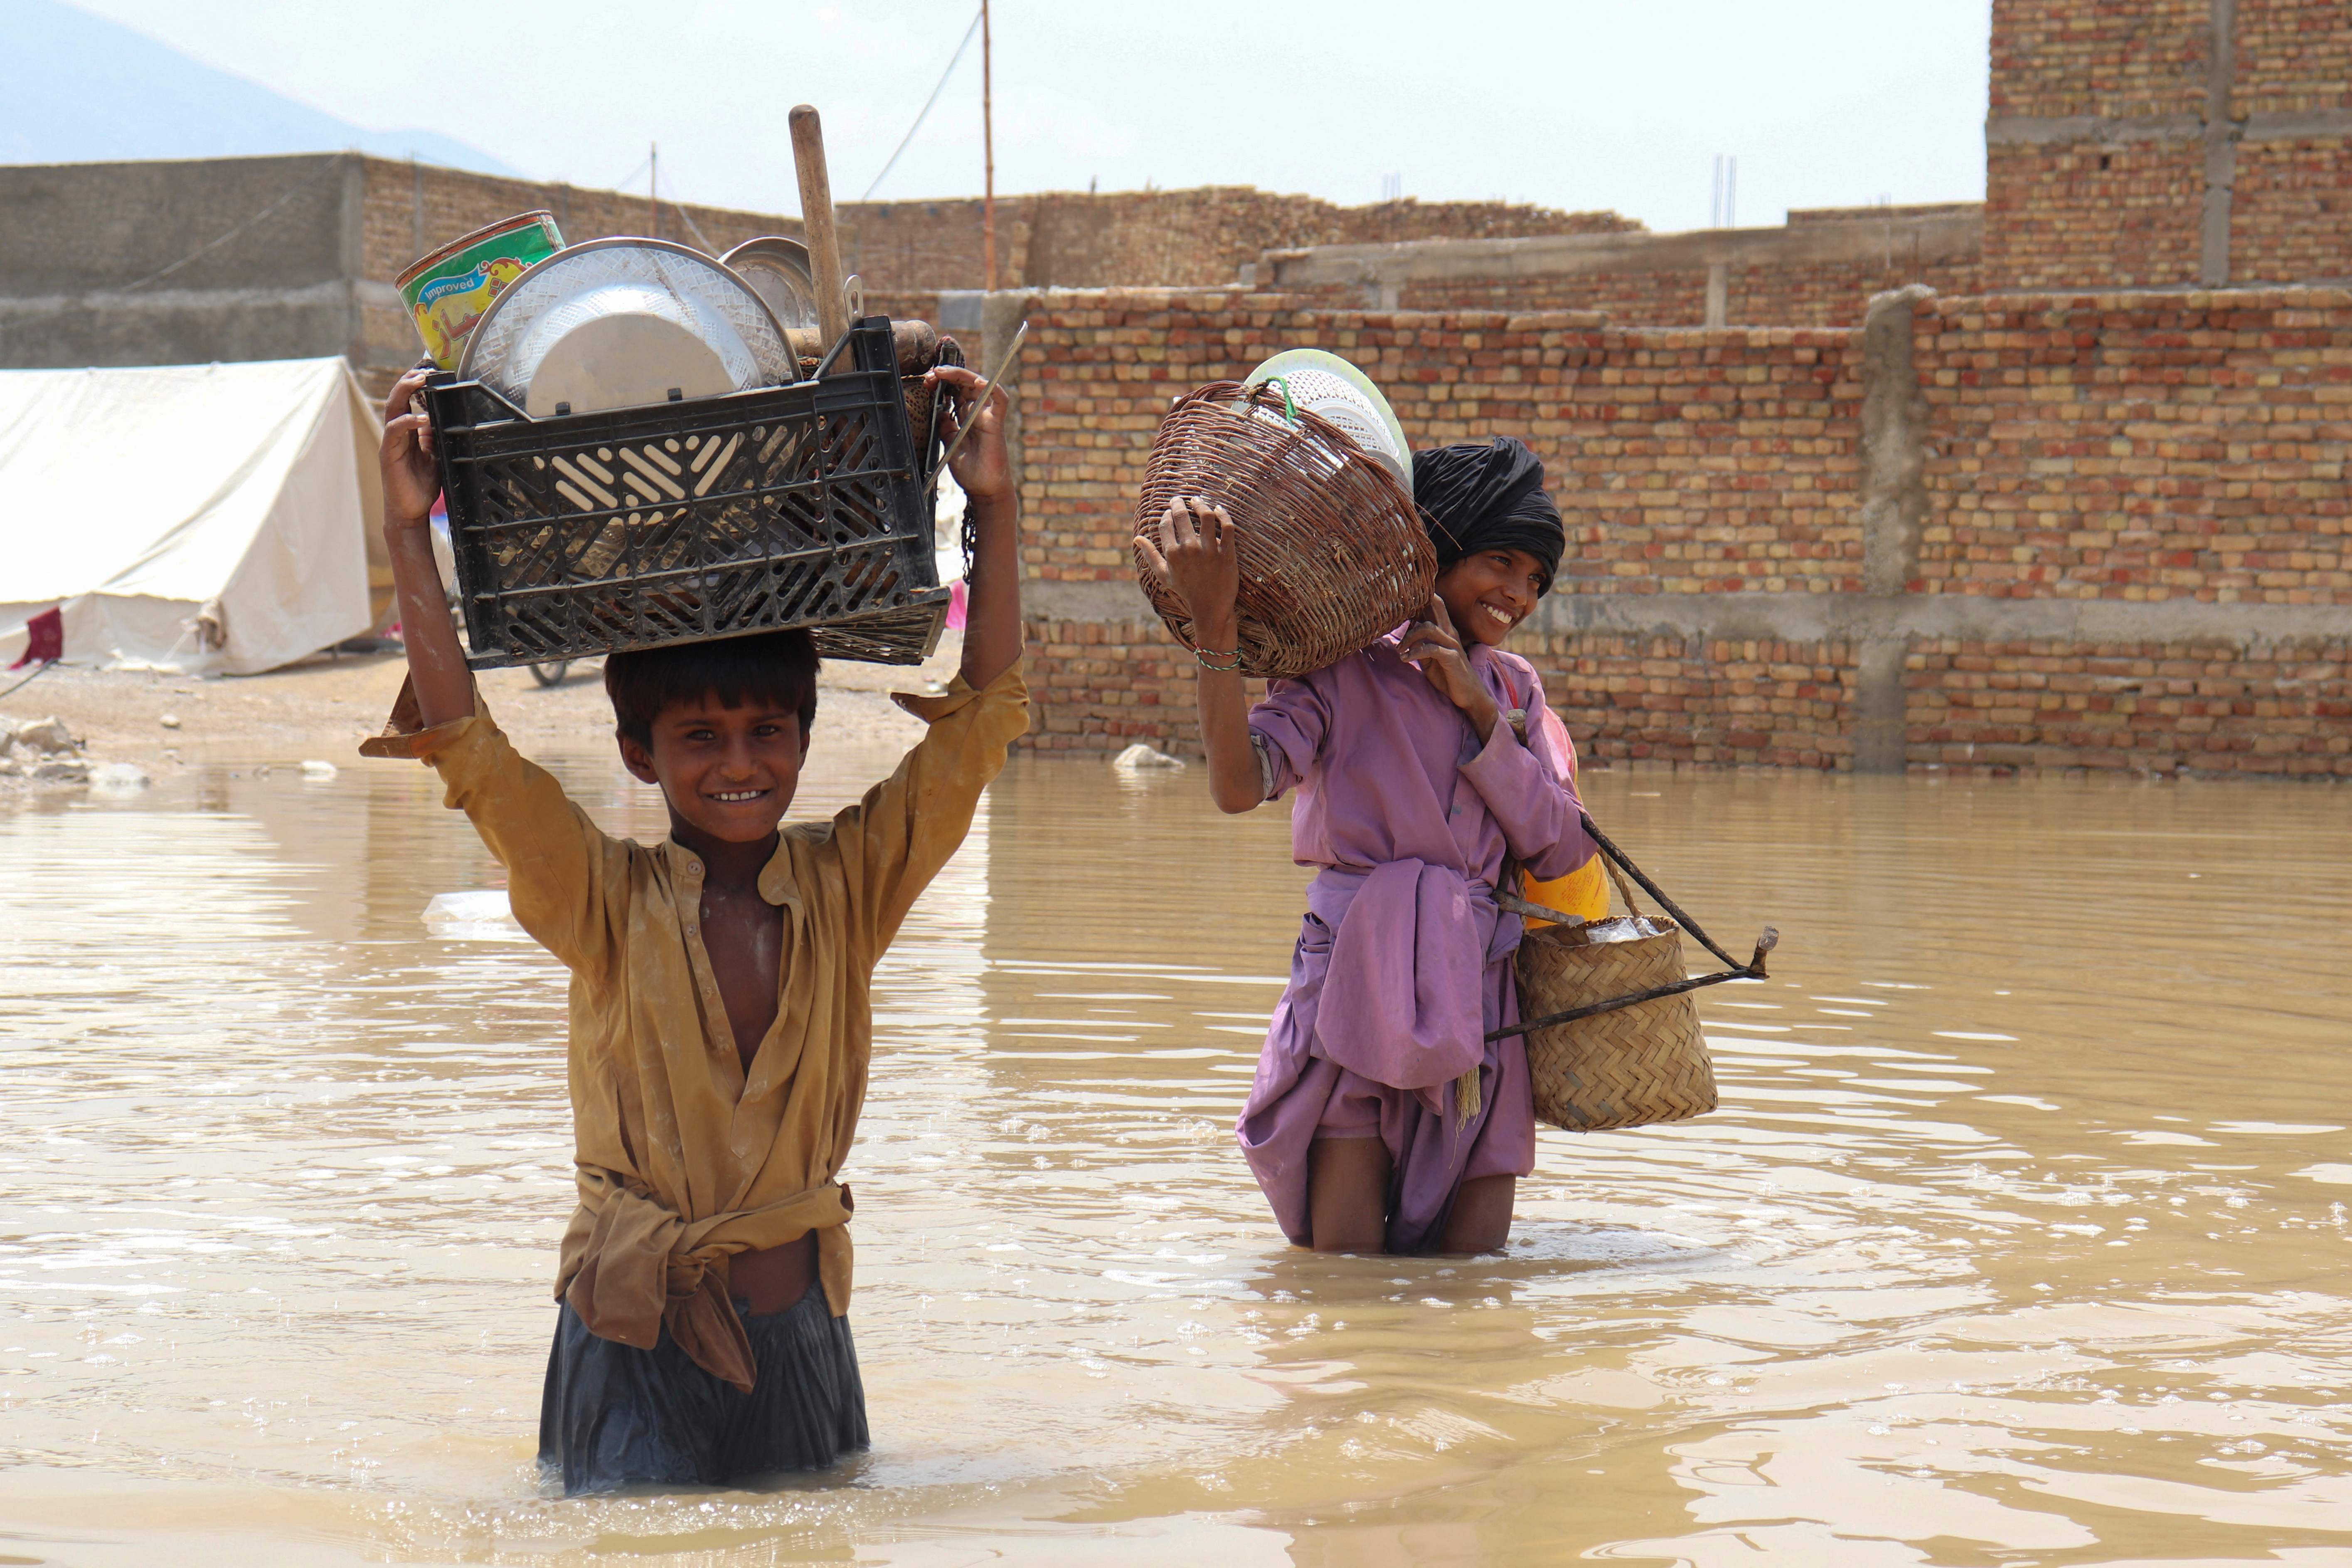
x=2076, y=499
x=2057, y=481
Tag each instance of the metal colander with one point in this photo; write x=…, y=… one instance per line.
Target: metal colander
x=646, y=277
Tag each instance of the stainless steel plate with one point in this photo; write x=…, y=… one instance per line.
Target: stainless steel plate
x=620, y=322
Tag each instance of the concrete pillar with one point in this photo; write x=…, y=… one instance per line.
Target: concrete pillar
x=1894, y=510
x=1718, y=292
x=351, y=257
x=2220, y=146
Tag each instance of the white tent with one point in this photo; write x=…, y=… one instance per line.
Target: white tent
x=194, y=517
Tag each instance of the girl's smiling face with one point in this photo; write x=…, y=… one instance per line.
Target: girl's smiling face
x=1489, y=591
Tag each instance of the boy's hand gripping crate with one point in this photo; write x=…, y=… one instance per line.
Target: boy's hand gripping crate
x=789, y=505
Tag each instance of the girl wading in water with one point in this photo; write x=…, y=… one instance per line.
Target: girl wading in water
x=1382, y=1118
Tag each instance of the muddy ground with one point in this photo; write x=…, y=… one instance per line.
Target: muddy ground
x=323, y=707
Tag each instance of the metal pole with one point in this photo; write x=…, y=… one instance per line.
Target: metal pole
x=988, y=157
x=653, y=187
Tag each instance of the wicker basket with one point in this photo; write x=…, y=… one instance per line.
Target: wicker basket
x=1627, y=1068
x=1333, y=553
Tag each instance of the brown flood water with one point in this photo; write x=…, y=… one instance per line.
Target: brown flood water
x=2020, y=1239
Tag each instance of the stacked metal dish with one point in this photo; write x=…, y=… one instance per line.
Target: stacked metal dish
x=777, y=270
x=619, y=323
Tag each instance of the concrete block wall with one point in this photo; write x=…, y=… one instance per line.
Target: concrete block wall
x=177, y=263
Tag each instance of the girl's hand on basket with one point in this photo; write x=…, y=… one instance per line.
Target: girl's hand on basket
x=1200, y=553
x=411, y=478
x=1436, y=648
x=983, y=468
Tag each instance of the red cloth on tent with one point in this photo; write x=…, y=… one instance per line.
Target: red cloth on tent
x=45, y=638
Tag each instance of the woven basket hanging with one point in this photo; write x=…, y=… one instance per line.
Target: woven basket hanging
x=1627, y=1068
x=1333, y=553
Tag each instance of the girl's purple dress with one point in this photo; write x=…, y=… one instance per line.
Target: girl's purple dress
x=1404, y=961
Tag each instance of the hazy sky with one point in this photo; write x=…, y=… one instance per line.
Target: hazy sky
x=1571, y=104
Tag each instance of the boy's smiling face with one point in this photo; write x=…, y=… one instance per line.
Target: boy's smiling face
x=729, y=772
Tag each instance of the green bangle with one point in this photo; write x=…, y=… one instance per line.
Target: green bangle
x=1204, y=657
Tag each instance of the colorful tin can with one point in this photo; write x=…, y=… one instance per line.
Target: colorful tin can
x=448, y=291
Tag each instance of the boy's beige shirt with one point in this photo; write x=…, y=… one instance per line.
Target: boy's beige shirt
x=682, y=1163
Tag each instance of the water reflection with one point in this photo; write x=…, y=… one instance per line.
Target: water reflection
x=2020, y=1236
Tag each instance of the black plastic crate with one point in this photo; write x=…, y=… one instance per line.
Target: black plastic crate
x=790, y=506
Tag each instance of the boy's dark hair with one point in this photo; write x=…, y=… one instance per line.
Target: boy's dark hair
x=766, y=666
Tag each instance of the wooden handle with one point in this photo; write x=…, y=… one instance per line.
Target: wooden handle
x=816, y=216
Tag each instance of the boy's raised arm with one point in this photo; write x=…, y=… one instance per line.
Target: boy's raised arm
x=898, y=836
x=566, y=881
x=436, y=664
x=991, y=632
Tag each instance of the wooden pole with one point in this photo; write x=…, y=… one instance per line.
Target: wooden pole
x=653, y=187
x=988, y=158
x=816, y=218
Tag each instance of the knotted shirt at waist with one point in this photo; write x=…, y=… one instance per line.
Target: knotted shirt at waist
x=1404, y=1001
x=633, y=1266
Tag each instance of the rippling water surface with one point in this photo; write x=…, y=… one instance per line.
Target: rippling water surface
x=2020, y=1239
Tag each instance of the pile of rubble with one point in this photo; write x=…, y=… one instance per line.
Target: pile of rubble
x=43, y=751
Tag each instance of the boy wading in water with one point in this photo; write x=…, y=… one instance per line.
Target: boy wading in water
x=720, y=1024
x=1381, y=1119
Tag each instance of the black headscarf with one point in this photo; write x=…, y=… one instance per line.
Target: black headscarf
x=1488, y=495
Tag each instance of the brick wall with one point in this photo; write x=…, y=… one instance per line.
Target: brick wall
x=2163, y=454
x=2293, y=56
x=2291, y=210
x=1685, y=461
x=2216, y=705
x=908, y=251
x=2122, y=214
x=2116, y=131
x=1706, y=700
x=1821, y=294
x=2139, y=447
x=2109, y=57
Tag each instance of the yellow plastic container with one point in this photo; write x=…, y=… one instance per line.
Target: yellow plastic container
x=448, y=292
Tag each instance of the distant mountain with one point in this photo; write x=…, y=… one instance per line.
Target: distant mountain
x=80, y=89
